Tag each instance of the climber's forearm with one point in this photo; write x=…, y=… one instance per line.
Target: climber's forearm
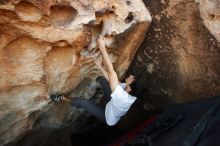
x=112, y=76
x=106, y=59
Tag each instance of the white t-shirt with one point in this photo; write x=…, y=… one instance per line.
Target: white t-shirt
x=123, y=85
x=118, y=105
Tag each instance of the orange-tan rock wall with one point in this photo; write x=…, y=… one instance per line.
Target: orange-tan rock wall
x=49, y=46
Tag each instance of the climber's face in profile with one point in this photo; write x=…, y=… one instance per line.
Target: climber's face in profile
x=129, y=80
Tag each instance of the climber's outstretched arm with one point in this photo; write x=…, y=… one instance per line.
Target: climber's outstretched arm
x=98, y=63
x=112, y=76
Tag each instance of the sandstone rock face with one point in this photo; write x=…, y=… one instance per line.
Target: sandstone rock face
x=49, y=47
x=179, y=60
x=210, y=13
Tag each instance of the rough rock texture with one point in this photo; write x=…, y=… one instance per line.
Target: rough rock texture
x=49, y=47
x=210, y=13
x=179, y=60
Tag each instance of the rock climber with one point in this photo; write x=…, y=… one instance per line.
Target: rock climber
x=120, y=96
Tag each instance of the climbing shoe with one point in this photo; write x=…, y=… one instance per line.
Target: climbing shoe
x=56, y=98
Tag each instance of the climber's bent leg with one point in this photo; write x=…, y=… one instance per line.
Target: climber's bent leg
x=90, y=106
x=105, y=86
